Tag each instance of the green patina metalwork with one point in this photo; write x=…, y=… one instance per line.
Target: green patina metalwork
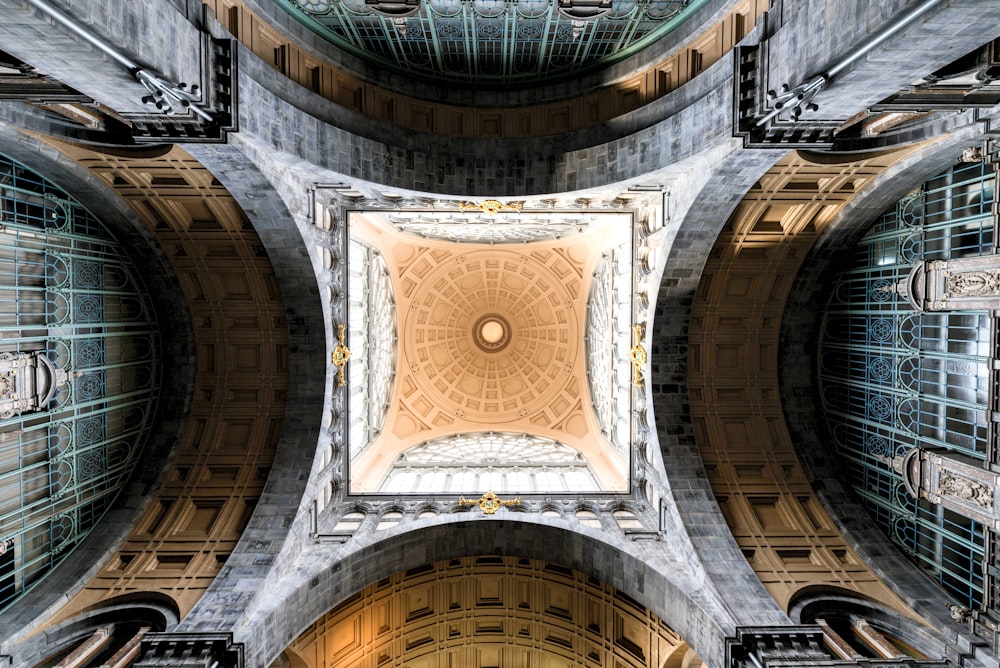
x=892, y=379
x=68, y=294
x=492, y=42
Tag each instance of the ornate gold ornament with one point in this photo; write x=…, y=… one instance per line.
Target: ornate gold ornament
x=490, y=206
x=637, y=355
x=489, y=502
x=340, y=355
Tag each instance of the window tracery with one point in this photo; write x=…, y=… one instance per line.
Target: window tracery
x=372, y=317
x=78, y=374
x=518, y=41
x=495, y=461
x=893, y=379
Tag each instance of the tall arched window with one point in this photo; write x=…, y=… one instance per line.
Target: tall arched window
x=79, y=374
x=893, y=379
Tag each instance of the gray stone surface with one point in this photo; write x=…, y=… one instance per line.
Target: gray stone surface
x=836, y=30
x=152, y=34
x=714, y=544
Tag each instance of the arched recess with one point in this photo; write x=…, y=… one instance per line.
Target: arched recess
x=526, y=110
x=236, y=397
x=177, y=346
x=799, y=334
x=687, y=476
x=642, y=570
x=779, y=524
x=124, y=617
x=317, y=132
x=489, y=610
x=834, y=604
x=289, y=489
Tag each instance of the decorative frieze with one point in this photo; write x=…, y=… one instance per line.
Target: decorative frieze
x=971, y=283
x=958, y=483
x=967, y=490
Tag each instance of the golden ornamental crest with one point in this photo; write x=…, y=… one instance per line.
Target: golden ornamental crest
x=340, y=355
x=489, y=503
x=637, y=355
x=490, y=206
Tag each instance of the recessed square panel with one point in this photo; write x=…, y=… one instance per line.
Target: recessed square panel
x=489, y=351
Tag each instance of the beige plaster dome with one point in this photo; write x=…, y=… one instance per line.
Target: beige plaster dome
x=491, y=338
x=492, y=334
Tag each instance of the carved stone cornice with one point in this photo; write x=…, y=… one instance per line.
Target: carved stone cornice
x=190, y=650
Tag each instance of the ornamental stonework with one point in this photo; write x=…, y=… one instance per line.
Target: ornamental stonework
x=974, y=283
x=964, y=489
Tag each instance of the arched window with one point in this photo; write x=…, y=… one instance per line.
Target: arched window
x=79, y=374
x=892, y=379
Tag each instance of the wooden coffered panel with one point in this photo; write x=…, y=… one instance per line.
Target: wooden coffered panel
x=782, y=527
x=476, y=612
x=237, y=402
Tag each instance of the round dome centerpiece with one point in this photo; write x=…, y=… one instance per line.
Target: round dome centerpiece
x=491, y=336
x=491, y=333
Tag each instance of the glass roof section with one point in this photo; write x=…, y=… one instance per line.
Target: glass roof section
x=498, y=462
x=893, y=379
x=79, y=375
x=489, y=352
x=492, y=41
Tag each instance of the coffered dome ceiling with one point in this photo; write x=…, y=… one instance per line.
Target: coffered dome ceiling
x=492, y=41
x=491, y=335
x=490, y=343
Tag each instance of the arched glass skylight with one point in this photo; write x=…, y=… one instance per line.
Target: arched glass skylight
x=73, y=315
x=491, y=41
x=893, y=379
x=499, y=462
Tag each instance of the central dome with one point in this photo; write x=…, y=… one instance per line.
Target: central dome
x=492, y=335
x=492, y=370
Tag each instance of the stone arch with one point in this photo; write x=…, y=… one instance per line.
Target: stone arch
x=490, y=610
x=812, y=603
x=639, y=570
x=158, y=612
x=288, y=484
x=682, y=463
x=527, y=93
x=620, y=152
